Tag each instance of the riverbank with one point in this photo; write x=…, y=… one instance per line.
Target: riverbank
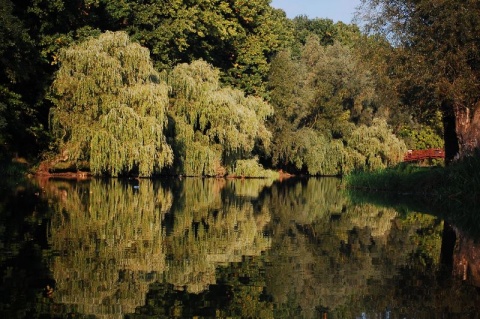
x=19, y=167
x=451, y=193
x=459, y=181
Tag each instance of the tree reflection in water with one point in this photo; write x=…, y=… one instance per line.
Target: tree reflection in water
x=246, y=248
x=112, y=243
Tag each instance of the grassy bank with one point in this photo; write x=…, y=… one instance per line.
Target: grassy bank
x=457, y=182
x=451, y=193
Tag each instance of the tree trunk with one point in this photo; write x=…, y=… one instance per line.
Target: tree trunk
x=449, y=132
x=461, y=130
x=467, y=125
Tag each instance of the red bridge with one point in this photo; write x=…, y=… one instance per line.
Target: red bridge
x=418, y=155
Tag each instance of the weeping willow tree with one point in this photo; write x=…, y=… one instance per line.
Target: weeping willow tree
x=214, y=126
x=110, y=107
x=309, y=150
x=373, y=147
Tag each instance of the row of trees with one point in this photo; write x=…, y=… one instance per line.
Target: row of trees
x=115, y=112
x=218, y=87
x=238, y=37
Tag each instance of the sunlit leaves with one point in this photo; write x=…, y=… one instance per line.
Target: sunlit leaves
x=324, y=121
x=251, y=168
x=378, y=146
x=214, y=125
x=239, y=37
x=110, y=107
x=421, y=137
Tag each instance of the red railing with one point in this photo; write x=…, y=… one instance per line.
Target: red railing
x=418, y=155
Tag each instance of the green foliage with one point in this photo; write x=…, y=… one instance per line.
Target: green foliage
x=325, y=84
x=20, y=128
x=449, y=192
x=436, y=65
x=366, y=148
x=10, y=105
x=309, y=150
x=457, y=182
x=325, y=30
x=288, y=91
x=110, y=107
x=213, y=126
x=239, y=37
x=265, y=32
x=16, y=46
x=327, y=119
x=251, y=168
x=340, y=87
x=423, y=137
x=377, y=146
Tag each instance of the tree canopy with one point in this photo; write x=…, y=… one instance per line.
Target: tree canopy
x=436, y=61
x=214, y=126
x=327, y=119
x=20, y=128
x=238, y=37
x=111, y=110
x=228, y=87
x=110, y=107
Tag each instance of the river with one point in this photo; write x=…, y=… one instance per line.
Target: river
x=218, y=248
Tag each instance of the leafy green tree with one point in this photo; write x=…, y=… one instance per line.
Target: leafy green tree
x=332, y=88
x=239, y=37
x=340, y=88
x=373, y=147
x=213, y=126
x=31, y=33
x=110, y=107
x=20, y=128
x=424, y=136
x=308, y=150
x=326, y=30
x=438, y=64
x=326, y=104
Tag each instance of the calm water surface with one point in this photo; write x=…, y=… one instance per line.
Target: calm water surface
x=205, y=248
